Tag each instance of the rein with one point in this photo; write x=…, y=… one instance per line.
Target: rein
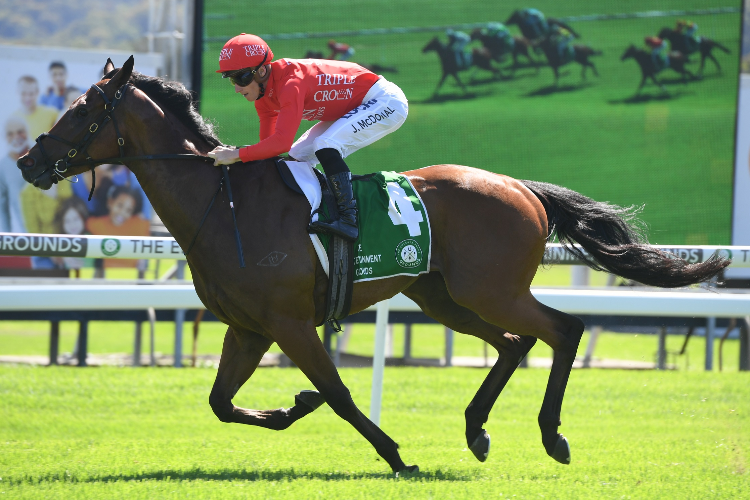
x=61, y=166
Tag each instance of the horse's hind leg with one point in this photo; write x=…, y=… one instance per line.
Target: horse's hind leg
x=301, y=343
x=432, y=296
x=240, y=357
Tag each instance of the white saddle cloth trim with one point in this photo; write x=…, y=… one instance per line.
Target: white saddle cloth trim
x=308, y=182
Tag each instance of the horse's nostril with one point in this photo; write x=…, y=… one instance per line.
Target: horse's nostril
x=25, y=162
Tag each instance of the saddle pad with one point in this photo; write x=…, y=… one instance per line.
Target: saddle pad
x=394, y=228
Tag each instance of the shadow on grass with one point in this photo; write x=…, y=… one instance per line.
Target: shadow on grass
x=558, y=89
x=198, y=474
x=646, y=98
x=440, y=98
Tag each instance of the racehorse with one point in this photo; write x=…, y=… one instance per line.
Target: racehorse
x=649, y=69
x=498, y=49
x=679, y=43
x=481, y=265
x=480, y=58
x=581, y=54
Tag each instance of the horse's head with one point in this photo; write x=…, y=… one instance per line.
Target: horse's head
x=476, y=34
x=514, y=18
x=433, y=44
x=80, y=134
x=665, y=33
x=313, y=54
x=629, y=52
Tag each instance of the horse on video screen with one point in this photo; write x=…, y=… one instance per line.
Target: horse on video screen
x=649, y=69
x=679, y=42
x=572, y=53
x=489, y=234
x=499, y=50
x=480, y=58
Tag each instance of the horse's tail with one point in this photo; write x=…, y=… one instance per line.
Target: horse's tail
x=719, y=46
x=614, y=239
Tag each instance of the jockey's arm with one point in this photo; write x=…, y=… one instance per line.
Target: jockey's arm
x=285, y=125
x=563, y=25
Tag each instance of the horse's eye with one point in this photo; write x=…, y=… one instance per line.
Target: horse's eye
x=82, y=112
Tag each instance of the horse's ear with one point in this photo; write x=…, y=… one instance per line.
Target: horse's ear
x=123, y=74
x=109, y=66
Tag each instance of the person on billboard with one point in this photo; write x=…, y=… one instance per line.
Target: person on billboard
x=340, y=51
x=11, y=183
x=71, y=94
x=124, y=203
x=354, y=106
x=39, y=208
x=70, y=218
x=55, y=96
x=38, y=117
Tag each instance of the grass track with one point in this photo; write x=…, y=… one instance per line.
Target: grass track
x=120, y=433
x=674, y=154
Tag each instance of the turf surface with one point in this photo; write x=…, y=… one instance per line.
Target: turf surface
x=145, y=433
x=672, y=152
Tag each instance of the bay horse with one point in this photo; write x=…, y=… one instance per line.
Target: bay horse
x=481, y=265
x=498, y=49
x=581, y=54
x=645, y=61
x=480, y=58
x=678, y=42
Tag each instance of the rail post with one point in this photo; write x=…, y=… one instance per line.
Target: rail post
x=54, y=342
x=179, y=320
x=710, y=334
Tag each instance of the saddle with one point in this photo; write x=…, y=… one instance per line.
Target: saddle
x=340, y=251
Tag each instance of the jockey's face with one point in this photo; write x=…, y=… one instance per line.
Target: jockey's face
x=251, y=92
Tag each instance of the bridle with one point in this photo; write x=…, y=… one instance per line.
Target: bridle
x=61, y=166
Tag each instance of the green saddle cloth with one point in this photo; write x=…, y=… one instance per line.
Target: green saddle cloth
x=394, y=229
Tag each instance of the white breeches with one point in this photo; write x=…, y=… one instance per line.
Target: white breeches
x=383, y=110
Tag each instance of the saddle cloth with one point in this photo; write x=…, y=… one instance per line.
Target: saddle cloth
x=395, y=234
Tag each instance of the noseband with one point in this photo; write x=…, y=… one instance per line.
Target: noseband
x=61, y=166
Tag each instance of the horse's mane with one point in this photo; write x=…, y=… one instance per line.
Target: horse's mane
x=177, y=99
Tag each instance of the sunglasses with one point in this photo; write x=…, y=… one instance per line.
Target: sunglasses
x=241, y=78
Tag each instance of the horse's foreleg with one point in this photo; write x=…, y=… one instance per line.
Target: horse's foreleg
x=301, y=343
x=440, y=83
x=240, y=357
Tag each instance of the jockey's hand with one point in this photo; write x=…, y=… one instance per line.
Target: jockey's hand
x=225, y=155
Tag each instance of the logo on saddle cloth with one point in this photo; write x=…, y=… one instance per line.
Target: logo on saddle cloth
x=394, y=228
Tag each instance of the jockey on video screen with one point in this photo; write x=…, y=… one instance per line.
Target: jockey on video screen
x=354, y=106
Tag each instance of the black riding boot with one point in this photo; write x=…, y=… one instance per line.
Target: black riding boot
x=341, y=180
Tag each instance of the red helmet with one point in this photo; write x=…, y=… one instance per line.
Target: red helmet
x=244, y=51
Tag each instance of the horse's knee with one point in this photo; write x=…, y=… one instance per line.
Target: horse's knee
x=341, y=402
x=222, y=407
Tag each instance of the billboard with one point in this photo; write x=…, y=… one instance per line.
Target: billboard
x=741, y=205
x=37, y=86
x=668, y=147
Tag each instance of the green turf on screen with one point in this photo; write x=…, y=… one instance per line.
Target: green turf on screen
x=672, y=154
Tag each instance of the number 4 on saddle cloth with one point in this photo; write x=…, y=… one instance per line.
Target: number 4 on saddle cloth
x=394, y=231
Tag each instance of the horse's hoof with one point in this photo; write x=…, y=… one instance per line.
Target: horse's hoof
x=562, y=450
x=313, y=399
x=481, y=446
x=408, y=470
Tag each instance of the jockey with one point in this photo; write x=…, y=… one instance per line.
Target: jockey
x=355, y=107
x=561, y=37
x=536, y=21
x=457, y=42
x=501, y=32
x=689, y=29
x=340, y=49
x=659, y=51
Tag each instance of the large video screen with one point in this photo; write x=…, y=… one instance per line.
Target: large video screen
x=668, y=146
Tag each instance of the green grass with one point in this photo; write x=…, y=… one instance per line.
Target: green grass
x=675, y=155
x=145, y=433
